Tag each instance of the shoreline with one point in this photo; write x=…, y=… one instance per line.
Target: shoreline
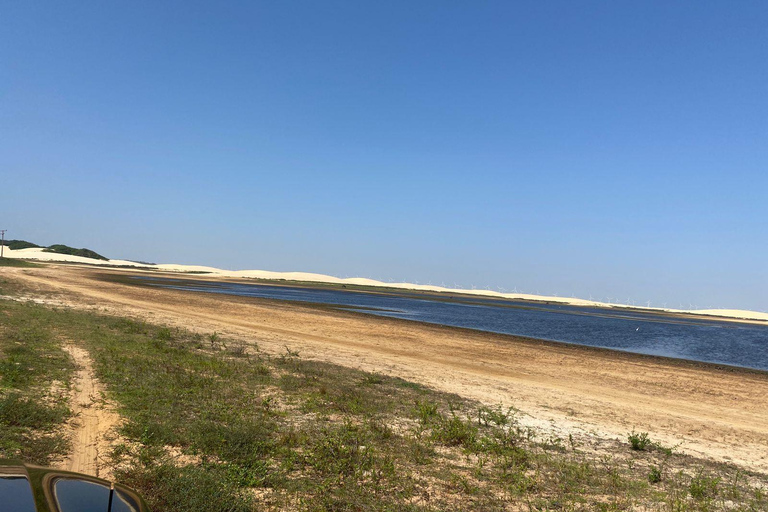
x=356, y=310
x=321, y=280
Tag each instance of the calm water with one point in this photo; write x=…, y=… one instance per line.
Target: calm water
x=645, y=333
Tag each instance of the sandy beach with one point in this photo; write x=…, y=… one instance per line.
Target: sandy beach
x=706, y=410
x=39, y=254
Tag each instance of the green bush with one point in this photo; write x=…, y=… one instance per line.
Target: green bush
x=639, y=441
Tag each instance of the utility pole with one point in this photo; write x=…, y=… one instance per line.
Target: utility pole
x=2, y=241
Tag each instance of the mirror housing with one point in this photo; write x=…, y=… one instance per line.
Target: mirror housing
x=29, y=488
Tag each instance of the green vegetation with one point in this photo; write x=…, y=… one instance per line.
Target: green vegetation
x=34, y=378
x=215, y=424
x=639, y=441
x=12, y=262
x=19, y=244
x=65, y=249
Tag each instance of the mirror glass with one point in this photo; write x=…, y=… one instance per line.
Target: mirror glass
x=16, y=494
x=121, y=502
x=75, y=495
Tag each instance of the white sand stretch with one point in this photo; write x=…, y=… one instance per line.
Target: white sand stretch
x=39, y=254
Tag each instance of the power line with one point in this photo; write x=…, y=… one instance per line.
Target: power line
x=2, y=241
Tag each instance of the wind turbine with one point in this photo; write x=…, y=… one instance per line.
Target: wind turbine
x=648, y=304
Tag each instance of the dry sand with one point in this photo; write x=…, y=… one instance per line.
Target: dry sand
x=714, y=412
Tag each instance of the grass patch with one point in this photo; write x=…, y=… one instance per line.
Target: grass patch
x=34, y=377
x=13, y=262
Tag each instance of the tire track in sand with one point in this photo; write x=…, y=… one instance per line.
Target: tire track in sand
x=95, y=421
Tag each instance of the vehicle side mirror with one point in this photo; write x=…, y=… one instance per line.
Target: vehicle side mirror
x=27, y=488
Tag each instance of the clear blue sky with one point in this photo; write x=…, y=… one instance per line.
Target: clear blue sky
x=607, y=148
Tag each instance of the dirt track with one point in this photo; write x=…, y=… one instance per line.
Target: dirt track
x=718, y=413
x=94, y=420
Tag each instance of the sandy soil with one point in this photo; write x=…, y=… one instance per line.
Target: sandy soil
x=713, y=412
x=94, y=423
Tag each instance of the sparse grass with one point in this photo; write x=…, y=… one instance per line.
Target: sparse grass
x=214, y=424
x=13, y=262
x=34, y=376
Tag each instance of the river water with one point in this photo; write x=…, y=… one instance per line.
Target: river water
x=710, y=341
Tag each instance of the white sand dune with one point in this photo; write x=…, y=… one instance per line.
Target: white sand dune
x=39, y=254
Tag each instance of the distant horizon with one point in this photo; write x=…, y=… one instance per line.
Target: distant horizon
x=594, y=149
x=613, y=301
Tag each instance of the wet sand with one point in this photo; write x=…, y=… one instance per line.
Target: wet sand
x=710, y=411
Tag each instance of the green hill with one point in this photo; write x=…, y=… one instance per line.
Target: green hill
x=65, y=249
x=15, y=245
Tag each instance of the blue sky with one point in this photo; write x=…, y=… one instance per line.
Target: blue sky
x=580, y=148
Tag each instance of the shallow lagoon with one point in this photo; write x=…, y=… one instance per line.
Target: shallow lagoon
x=712, y=341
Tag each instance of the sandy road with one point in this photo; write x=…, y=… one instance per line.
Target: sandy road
x=714, y=412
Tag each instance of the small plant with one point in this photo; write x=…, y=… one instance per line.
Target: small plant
x=214, y=339
x=703, y=487
x=426, y=411
x=487, y=416
x=654, y=475
x=639, y=441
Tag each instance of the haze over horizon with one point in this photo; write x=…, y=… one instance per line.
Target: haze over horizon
x=593, y=149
